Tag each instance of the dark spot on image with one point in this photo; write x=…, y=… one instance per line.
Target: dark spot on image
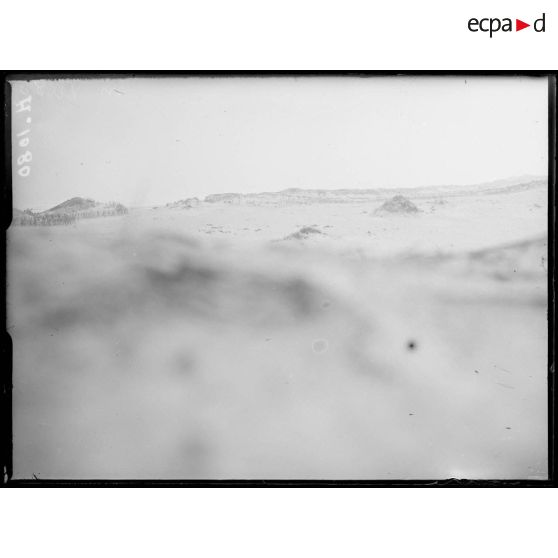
x=411, y=345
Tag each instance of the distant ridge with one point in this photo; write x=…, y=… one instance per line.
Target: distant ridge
x=73, y=204
x=68, y=212
x=352, y=195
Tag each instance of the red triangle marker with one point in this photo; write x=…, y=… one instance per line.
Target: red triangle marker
x=519, y=25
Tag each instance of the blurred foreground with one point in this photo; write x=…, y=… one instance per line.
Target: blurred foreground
x=283, y=342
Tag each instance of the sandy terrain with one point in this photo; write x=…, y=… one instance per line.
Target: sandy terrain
x=274, y=337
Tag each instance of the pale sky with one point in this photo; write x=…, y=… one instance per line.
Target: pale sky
x=147, y=141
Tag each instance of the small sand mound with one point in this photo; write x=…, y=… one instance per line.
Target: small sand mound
x=398, y=204
x=187, y=203
x=304, y=233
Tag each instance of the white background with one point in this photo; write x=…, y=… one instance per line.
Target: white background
x=278, y=523
x=278, y=35
x=272, y=34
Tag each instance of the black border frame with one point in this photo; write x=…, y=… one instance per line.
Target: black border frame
x=6, y=432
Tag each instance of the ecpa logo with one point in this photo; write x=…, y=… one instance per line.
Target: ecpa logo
x=494, y=24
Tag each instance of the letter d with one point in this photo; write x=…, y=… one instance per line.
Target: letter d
x=535, y=25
